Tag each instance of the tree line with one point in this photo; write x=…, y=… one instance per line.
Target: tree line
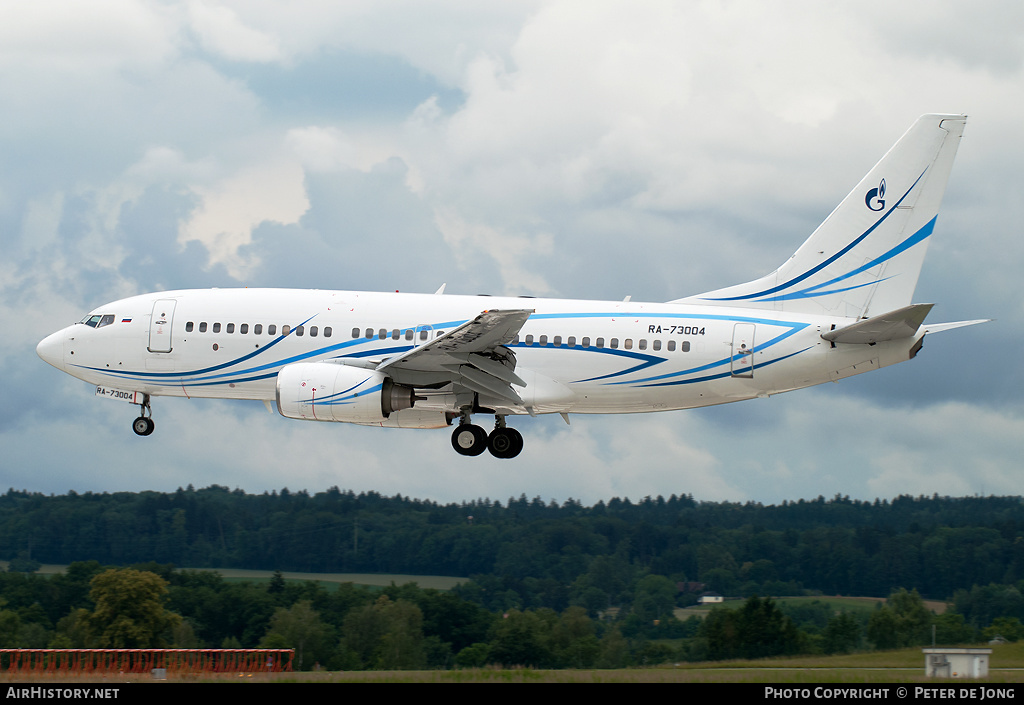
x=406, y=627
x=551, y=585
x=532, y=553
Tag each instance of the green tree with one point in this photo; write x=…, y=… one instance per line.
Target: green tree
x=129, y=610
x=520, y=638
x=573, y=641
x=1009, y=628
x=654, y=598
x=385, y=634
x=952, y=628
x=913, y=620
x=882, y=629
x=299, y=627
x=474, y=656
x=756, y=630
x=842, y=634
x=10, y=629
x=614, y=650
x=402, y=645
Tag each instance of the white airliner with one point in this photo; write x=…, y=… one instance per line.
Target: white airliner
x=840, y=306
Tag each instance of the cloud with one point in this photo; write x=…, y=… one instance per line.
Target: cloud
x=220, y=30
x=231, y=208
x=577, y=149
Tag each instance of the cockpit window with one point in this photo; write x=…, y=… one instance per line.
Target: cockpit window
x=98, y=320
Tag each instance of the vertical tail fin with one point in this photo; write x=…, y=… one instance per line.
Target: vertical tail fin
x=866, y=257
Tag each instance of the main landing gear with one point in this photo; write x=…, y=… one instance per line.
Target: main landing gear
x=503, y=442
x=143, y=426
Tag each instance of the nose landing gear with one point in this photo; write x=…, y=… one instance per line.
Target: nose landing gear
x=143, y=425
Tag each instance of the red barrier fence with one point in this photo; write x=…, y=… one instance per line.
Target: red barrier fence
x=99, y=661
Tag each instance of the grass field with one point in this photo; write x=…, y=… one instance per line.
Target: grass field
x=903, y=666
x=856, y=605
x=437, y=582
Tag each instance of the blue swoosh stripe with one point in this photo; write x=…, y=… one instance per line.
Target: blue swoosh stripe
x=923, y=233
x=830, y=260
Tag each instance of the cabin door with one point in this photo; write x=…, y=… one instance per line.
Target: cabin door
x=742, y=364
x=160, y=326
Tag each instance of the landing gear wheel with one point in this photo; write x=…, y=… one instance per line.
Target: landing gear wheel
x=505, y=443
x=468, y=439
x=143, y=426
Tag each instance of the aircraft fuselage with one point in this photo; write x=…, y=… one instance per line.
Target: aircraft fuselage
x=583, y=356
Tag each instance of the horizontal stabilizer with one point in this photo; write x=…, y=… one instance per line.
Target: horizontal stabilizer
x=901, y=323
x=939, y=327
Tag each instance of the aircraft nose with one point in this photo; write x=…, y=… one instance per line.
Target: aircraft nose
x=51, y=349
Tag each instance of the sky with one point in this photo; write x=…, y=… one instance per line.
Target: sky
x=578, y=149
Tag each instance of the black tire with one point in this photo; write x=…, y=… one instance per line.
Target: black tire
x=505, y=443
x=468, y=439
x=143, y=426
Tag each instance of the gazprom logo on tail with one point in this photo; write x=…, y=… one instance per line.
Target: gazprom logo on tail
x=875, y=198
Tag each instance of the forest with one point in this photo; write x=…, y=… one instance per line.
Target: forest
x=550, y=584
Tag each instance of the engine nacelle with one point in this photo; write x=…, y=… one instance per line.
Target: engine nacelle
x=325, y=391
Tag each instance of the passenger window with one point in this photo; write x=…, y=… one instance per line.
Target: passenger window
x=257, y=329
x=656, y=345
x=202, y=327
x=327, y=332
x=628, y=344
x=558, y=341
x=515, y=341
x=216, y=327
x=671, y=346
x=368, y=334
x=299, y=330
x=189, y=326
x=408, y=334
x=312, y=331
x=231, y=328
x=285, y=330
x=599, y=343
x=396, y=334
x=355, y=332
x=586, y=342
x=642, y=345
x=615, y=343
x=271, y=329
x=543, y=340
x=244, y=328
x=572, y=341
x=382, y=334
x=529, y=340
x=423, y=334
x=686, y=346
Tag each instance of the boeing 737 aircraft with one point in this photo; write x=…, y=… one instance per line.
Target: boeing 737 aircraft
x=840, y=306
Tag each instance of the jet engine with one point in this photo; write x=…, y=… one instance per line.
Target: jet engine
x=327, y=391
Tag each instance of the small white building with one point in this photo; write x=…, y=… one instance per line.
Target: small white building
x=956, y=663
x=710, y=598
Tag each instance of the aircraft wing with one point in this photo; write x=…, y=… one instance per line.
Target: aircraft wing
x=472, y=356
